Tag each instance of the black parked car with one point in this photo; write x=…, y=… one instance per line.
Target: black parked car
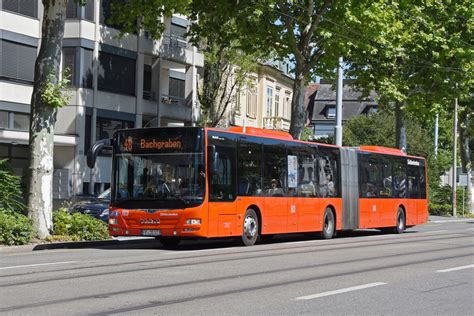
x=97, y=207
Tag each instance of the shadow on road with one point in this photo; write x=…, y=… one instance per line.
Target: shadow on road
x=201, y=244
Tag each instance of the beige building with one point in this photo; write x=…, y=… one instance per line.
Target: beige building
x=266, y=102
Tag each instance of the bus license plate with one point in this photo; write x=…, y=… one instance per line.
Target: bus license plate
x=151, y=232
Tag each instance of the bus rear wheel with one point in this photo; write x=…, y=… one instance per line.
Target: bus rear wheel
x=401, y=222
x=249, y=228
x=329, y=224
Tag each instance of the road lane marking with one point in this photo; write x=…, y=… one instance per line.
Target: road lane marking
x=456, y=268
x=349, y=289
x=36, y=265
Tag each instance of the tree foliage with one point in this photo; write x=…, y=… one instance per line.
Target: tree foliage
x=10, y=189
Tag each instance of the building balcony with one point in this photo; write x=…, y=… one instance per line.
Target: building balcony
x=178, y=49
x=175, y=108
x=277, y=123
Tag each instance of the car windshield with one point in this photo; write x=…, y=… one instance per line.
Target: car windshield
x=104, y=195
x=169, y=180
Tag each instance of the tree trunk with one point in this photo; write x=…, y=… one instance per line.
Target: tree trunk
x=400, y=127
x=43, y=118
x=465, y=153
x=298, y=112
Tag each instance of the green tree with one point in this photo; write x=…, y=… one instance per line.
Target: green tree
x=378, y=129
x=226, y=65
x=419, y=57
x=298, y=30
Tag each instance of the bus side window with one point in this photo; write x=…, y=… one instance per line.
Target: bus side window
x=328, y=177
x=368, y=176
x=413, y=177
x=274, y=170
x=249, y=169
x=399, y=178
x=385, y=188
x=221, y=186
x=422, y=182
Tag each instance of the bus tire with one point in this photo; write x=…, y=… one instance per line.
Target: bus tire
x=401, y=222
x=169, y=242
x=249, y=228
x=329, y=224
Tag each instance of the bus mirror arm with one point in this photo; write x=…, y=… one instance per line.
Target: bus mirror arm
x=95, y=150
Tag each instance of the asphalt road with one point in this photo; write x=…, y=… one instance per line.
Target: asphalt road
x=429, y=270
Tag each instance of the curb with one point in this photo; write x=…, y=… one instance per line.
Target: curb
x=111, y=243
x=465, y=220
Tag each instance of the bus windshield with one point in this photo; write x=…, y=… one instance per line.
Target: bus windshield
x=153, y=178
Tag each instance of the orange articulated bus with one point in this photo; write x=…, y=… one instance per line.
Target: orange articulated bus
x=189, y=182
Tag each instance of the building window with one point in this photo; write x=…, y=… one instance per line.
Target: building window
x=147, y=95
x=24, y=7
x=21, y=122
x=69, y=64
x=89, y=11
x=87, y=68
x=176, y=88
x=287, y=106
x=252, y=102
x=105, y=14
x=277, y=103
x=17, y=61
x=330, y=112
x=238, y=99
x=71, y=9
x=177, y=31
x=74, y=10
x=269, y=101
x=105, y=128
x=116, y=74
x=4, y=119
x=15, y=120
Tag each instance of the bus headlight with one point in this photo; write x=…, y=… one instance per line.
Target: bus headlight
x=193, y=221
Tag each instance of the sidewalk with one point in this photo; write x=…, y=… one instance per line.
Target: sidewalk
x=114, y=242
x=448, y=219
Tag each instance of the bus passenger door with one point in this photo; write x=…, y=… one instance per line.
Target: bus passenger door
x=223, y=220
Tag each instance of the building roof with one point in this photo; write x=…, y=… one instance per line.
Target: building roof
x=352, y=105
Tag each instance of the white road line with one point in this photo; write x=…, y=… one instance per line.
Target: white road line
x=456, y=268
x=36, y=265
x=349, y=289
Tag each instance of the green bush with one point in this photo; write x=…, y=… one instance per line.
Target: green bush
x=10, y=189
x=79, y=226
x=15, y=228
x=439, y=209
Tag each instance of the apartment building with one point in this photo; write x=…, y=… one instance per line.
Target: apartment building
x=131, y=82
x=266, y=101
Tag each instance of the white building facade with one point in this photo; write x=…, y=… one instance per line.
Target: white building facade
x=131, y=82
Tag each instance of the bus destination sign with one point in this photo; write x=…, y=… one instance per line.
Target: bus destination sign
x=158, y=142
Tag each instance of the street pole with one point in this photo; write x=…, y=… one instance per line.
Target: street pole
x=436, y=136
x=339, y=89
x=455, y=137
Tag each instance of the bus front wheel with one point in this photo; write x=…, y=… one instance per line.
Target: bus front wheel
x=329, y=224
x=250, y=228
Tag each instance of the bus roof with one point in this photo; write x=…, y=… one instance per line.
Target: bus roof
x=383, y=150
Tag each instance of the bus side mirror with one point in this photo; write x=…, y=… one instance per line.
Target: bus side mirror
x=211, y=158
x=95, y=150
